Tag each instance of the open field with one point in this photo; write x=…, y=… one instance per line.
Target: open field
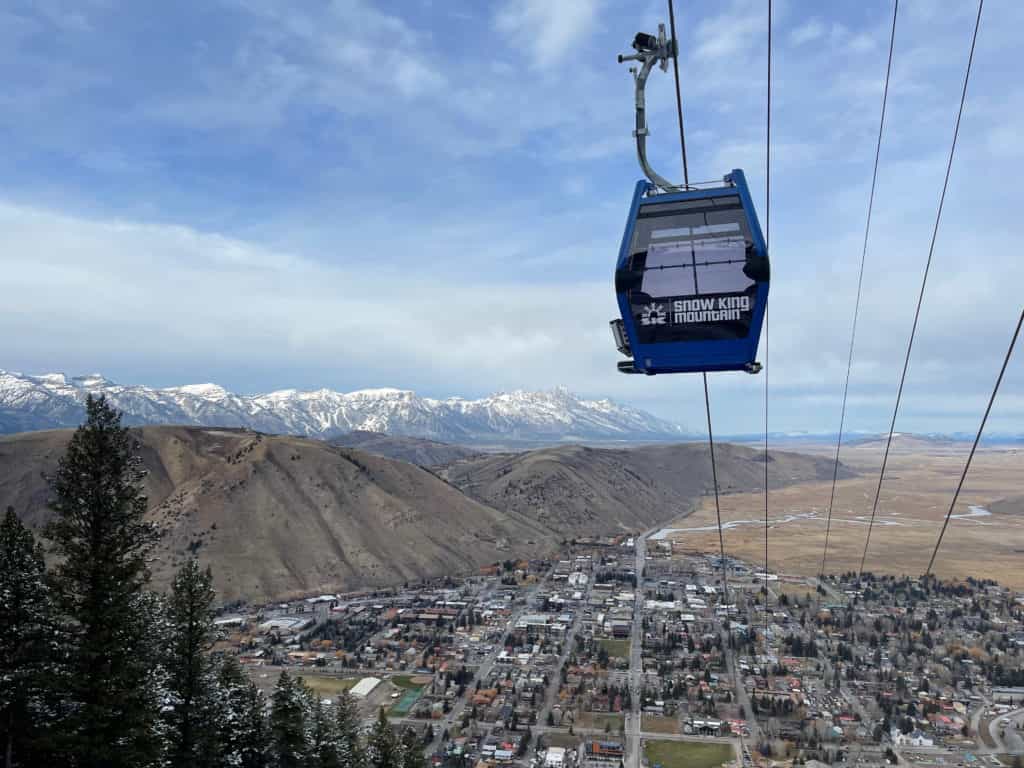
x=687, y=754
x=600, y=721
x=559, y=739
x=618, y=648
x=985, y=542
x=409, y=681
x=329, y=686
x=324, y=685
x=656, y=724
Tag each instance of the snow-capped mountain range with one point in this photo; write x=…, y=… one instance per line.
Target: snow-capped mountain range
x=54, y=400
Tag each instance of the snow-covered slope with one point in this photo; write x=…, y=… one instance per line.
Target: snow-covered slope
x=54, y=400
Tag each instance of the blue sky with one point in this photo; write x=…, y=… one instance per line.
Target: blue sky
x=430, y=195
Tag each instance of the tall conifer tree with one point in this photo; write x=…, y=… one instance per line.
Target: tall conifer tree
x=25, y=619
x=289, y=722
x=350, y=747
x=255, y=752
x=191, y=714
x=323, y=736
x=382, y=748
x=242, y=724
x=101, y=541
x=412, y=750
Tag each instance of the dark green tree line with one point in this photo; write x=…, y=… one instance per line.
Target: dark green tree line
x=101, y=671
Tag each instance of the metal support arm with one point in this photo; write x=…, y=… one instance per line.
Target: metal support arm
x=650, y=50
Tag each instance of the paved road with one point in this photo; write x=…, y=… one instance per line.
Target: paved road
x=976, y=723
x=830, y=591
x=555, y=676
x=599, y=732
x=1012, y=742
x=636, y=658
x=644, y=734
x=851, y=698
x=440, y=726
x=636, y=669
x=854, y=701
x=732, y=668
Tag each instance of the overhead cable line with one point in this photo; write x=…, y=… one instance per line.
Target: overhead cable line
x=679, y=98
x=924, y=282
x=767, y=243
x=707, y=396
x=860, y=283
x=977, y=439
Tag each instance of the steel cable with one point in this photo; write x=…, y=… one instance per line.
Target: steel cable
x=924, y=282
x=860, y=284
x=707, y=396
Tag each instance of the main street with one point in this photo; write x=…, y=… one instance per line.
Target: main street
x=732, y=669
x=487, y=664
x=636, y=645
x=599, y=733
x=828, y=674
x=568, y=644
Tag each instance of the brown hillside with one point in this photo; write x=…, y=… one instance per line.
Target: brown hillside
x=283, y=515
x=415, y=450
x=580, y=491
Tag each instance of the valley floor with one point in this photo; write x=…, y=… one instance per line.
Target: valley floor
x=985, y=538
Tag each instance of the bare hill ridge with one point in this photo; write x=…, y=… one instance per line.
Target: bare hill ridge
x=283, y=515
x=415, y=450
x=580, y=491
x=277, y=516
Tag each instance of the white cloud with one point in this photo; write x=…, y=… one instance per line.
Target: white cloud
x=547, y=32
x=144, y=290
x=112, y=294
x=862, y=43
x=732, y=32
x=349, y=58
x=807, y=32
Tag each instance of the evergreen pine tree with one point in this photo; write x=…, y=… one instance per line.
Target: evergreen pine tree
x=412, y=750
x=101, y=542
x=243, y=732
x=350, y=748
x=323, y=736
x=25, y=617
x=255, y=735
x=382, y=748
x=288, y=722
x=234, y=728
x=192, y=716
x=149, y=622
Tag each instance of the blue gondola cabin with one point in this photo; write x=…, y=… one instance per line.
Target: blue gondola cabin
x=691, y=280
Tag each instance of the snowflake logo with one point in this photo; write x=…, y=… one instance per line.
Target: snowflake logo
x=653, y=314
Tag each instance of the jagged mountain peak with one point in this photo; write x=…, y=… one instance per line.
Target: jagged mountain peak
x=53, y=400
x=201, y=390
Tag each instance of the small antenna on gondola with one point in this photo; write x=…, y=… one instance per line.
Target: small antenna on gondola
x=650, y=50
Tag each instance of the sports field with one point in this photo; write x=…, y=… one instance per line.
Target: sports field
x=687, y=754
x=618, y=648
x=404, y=704
x=329, y=686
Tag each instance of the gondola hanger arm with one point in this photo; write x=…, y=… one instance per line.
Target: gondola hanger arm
x=650, y=51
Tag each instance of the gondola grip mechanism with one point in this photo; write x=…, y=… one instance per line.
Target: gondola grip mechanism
x=650, y=50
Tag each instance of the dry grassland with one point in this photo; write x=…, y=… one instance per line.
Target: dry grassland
x=915, y=497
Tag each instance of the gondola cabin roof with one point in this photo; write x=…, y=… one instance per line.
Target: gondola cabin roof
x=691, y=280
